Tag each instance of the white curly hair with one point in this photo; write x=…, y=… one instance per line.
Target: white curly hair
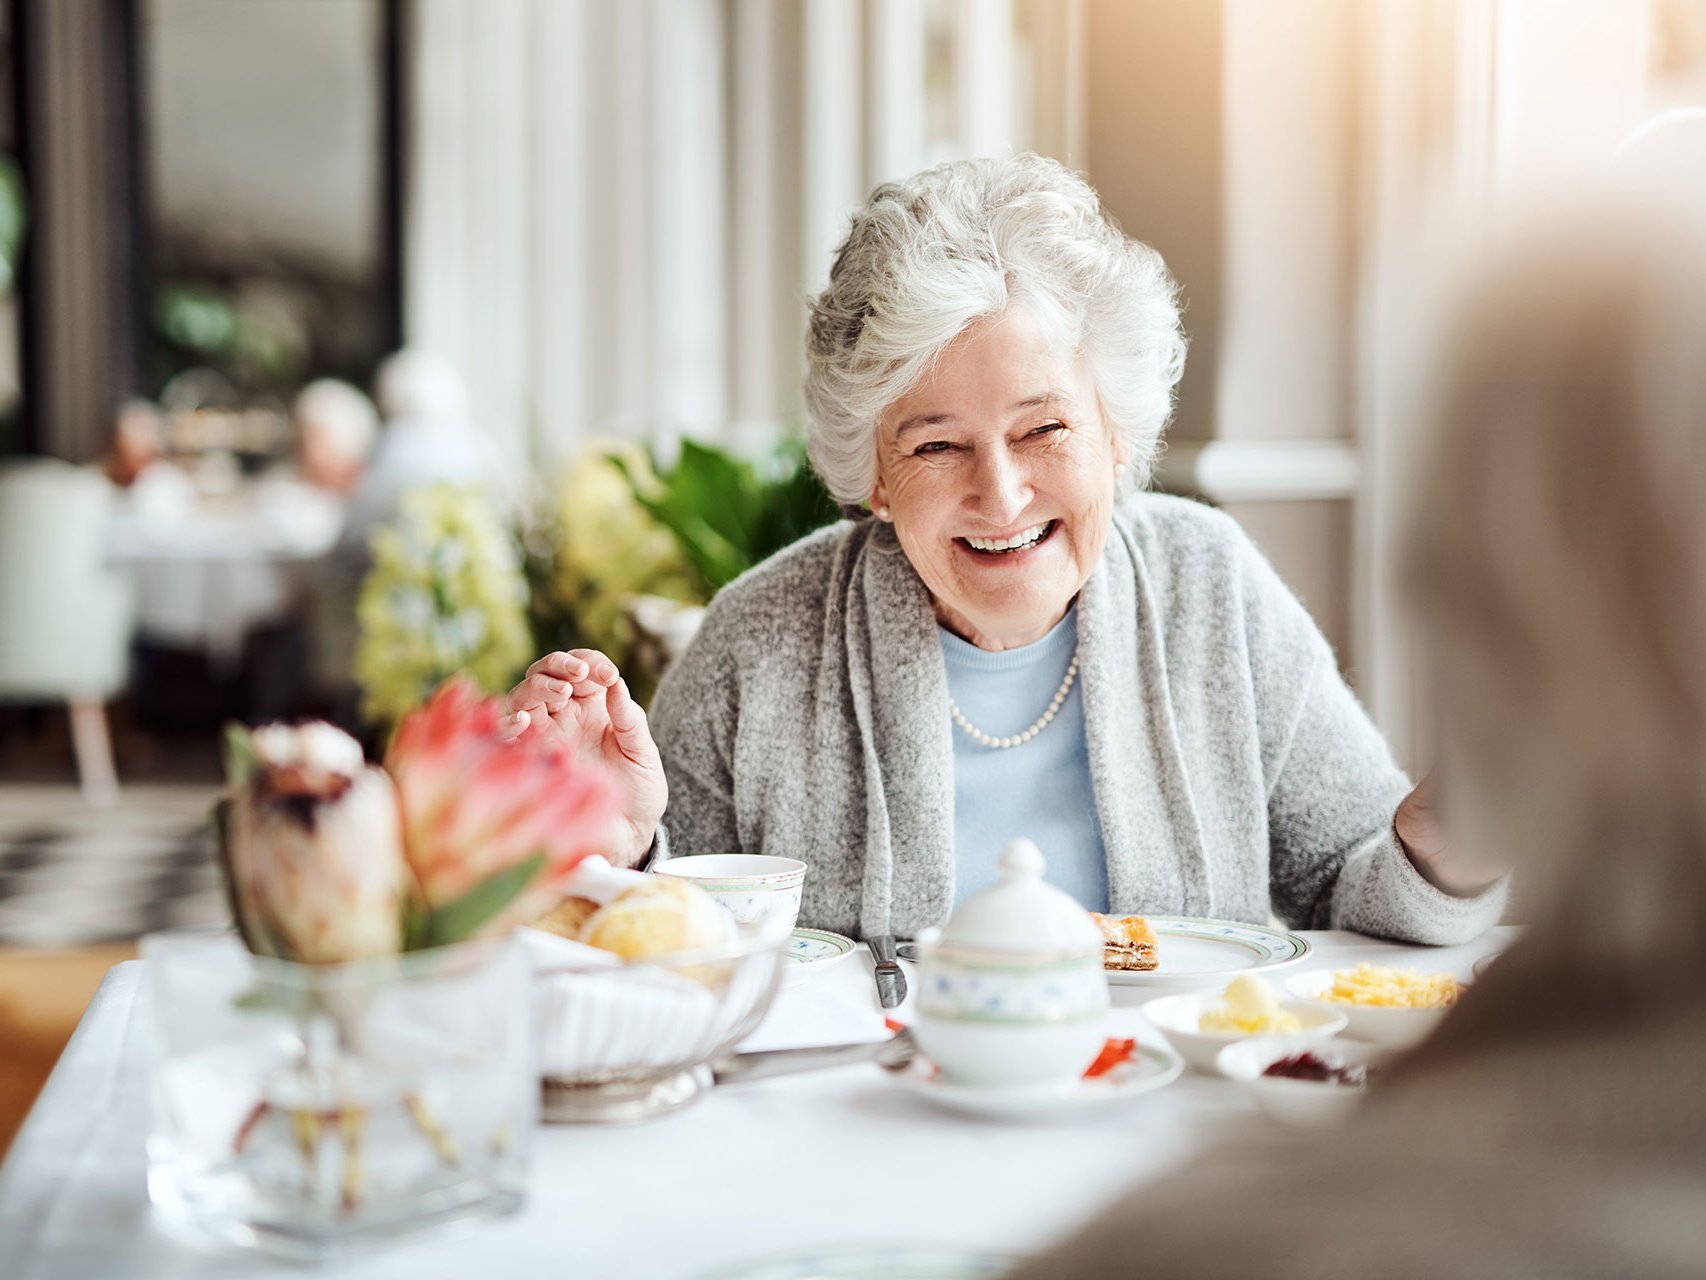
x=928, y=256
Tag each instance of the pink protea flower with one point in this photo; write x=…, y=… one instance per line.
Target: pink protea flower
x=491, y=828
x=312, y=847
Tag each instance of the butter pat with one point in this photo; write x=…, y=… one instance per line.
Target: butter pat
x=1250, y=1006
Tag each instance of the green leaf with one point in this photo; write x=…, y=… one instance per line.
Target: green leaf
x=727, y=514
x=222, y=851
x=275, y=999
x=241, y=762
x=463, y=918
x=415, y=923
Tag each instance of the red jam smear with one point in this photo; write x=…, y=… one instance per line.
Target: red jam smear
x=1308, y=1066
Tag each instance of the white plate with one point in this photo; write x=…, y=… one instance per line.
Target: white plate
x=1398, y=1026
x=1150, y=1069
x=810, y=951
x=1200, y=952
x=875, y=1264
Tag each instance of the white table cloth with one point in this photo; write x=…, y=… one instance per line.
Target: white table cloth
x=206, y=574
x=751, y=1171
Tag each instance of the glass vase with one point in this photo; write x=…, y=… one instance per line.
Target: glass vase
x=316, y=1111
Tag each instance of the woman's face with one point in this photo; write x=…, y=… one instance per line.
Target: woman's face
x=998, y=473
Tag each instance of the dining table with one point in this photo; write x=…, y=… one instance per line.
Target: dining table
x=832, y=1159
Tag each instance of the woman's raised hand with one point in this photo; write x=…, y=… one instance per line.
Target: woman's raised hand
x=579, y=698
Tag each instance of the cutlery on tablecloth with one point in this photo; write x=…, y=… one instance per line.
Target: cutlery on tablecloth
x=894, y=1053
x=891, y=982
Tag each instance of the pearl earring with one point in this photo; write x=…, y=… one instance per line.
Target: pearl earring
x=1119, y=470
x=882, y=513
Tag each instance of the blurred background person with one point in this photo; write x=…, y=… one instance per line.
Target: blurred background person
x=1557, y=566
x=428, y=438
x=138, y=441
x=335, y=427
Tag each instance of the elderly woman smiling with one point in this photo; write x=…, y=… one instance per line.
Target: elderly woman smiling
x=1004, y=645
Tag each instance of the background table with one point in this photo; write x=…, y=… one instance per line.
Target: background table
x=207, y=573
x=750, y=1171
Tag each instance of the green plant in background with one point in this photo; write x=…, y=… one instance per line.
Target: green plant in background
x=728, y=514
x=14, y=218
x=591, y=550
x=445, y=595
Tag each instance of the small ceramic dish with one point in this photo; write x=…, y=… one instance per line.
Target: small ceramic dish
x=1301, y=1102
x=1149, y=1068
x=759, y=891
x=1177, y=1018
x=1377, y=1024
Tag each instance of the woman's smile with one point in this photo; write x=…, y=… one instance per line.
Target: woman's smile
x=1008, y=550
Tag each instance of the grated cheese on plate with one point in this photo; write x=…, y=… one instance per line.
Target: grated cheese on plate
x=1392, y=988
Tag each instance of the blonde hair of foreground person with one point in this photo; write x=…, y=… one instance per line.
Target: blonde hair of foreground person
x=1556, y=1124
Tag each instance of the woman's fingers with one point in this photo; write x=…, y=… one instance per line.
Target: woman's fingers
x=541, y=691
x=628, y=723
x=600, y=675
x=512, y=727
x=561, y=666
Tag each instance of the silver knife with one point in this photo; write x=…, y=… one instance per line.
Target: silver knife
x=891, y=982
x=892, y=1054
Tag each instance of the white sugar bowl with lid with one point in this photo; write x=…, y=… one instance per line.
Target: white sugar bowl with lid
x=1012, y=992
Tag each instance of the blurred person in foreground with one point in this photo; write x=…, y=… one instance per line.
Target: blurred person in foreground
x=1556, y=564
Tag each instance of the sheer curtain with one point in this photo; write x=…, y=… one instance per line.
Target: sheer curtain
x=616, y=209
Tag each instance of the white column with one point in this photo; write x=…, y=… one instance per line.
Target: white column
x=689, y=245
x=1288, y=220
x=621, y=80
x=467, y=274
x=765, y=285
x=1060, y=90
x=984, y=69
x=831, y=143
x=894, y=89
x=1420, y=63
x=560, y=315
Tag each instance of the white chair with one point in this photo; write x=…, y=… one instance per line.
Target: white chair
x=65, y=619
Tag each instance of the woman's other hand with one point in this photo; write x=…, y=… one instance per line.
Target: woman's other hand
x=1423, y=840
x=580, y=699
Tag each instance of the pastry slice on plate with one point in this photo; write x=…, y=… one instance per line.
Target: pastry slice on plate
x=1127, y=942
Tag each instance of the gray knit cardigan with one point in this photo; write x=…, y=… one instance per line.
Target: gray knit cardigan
x=1233, y=769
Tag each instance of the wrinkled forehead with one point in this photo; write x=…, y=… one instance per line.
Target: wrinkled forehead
x=996, y=366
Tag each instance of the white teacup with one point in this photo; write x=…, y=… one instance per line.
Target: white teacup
x=759, y=891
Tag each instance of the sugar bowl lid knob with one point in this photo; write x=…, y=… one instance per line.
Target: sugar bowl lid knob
x=1022, y=911
x=1022, y=860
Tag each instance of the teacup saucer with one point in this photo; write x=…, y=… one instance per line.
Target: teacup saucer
x=1149, y=1069
x=811, y=951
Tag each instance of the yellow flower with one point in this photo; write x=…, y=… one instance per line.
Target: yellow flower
x=446, y=595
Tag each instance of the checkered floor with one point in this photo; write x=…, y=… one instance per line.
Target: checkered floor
x=72, y=876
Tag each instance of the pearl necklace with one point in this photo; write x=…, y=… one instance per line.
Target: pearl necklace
x=1001, y=744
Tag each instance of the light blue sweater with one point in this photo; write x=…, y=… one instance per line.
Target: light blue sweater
x=1040, y=788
